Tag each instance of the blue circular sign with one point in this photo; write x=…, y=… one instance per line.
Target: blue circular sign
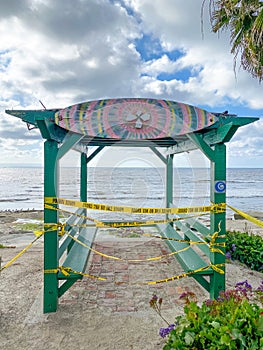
x=220, y=186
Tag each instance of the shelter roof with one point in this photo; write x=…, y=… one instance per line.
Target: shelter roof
x=131, y=121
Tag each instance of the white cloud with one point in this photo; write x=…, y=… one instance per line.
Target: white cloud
x=63, y=52
x=248, y=141
x=162, y=64
x=213, y=80
x=14, y=151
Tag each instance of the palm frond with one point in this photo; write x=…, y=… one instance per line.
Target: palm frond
x=244, y=20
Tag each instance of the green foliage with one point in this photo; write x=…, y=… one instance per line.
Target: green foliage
x=2, y=246
x=233, y=321
x=246, y=248
x=28, y=226
x=244, y=20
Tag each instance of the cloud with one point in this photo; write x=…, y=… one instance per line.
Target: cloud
x=21, y=151
x=248, y=141
x=12, y=8
x=213, y=81
x=63, y=52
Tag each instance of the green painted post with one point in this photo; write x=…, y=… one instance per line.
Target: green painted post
x=218, y=220
x=50, y=237
x=169, y=181
x=83, y=181
x=83, y=177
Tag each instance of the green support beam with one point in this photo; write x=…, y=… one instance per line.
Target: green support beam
x=94, y=153
x=70, y=140
x=50, y=237
x=201, y=144
x=169, y=180
x=220, y=132
x=218, y=220
x=159, y=154
x=83, y=177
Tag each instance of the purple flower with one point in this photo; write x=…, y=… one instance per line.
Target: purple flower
x=228, y=255
x=243, y=285
x=233, y=247
x=244, y=288
x=220, y=299
x=209, y=302
x=226, y=295
x=165, y=331
x=153, y=301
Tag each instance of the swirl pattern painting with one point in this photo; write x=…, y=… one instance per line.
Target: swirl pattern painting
x=133, y=118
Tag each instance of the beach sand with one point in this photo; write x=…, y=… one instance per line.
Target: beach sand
x=92, y=314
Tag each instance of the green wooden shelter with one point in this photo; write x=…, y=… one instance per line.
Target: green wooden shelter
x=132, y=122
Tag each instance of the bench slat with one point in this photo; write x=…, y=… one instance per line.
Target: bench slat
x=67, y=240
x=198, y=226
x=188, y=259
x=193, y=236
x=78, y=254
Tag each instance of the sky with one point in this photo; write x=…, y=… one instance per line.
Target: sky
x=64, y=52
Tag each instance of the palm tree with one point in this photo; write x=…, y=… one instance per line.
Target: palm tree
x=244, y=19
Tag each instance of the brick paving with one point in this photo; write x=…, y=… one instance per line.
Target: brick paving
x=125, y=289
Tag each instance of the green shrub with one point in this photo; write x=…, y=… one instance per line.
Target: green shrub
x=246, y=248
x=233, y=321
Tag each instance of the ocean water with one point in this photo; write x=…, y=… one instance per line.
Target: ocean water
x=22, y=188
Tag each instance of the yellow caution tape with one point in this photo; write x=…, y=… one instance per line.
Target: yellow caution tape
x=186, y=274
x=144, y=223
x=38, y=233
x=119, y=224
x=135, y=210
x=216, y=268
x=126, y=260
x=19, y=254
x=211, y=245
x=53, y=227
x=51, y=271
x=46, y=206
x=66, y=271
x=247, y=216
